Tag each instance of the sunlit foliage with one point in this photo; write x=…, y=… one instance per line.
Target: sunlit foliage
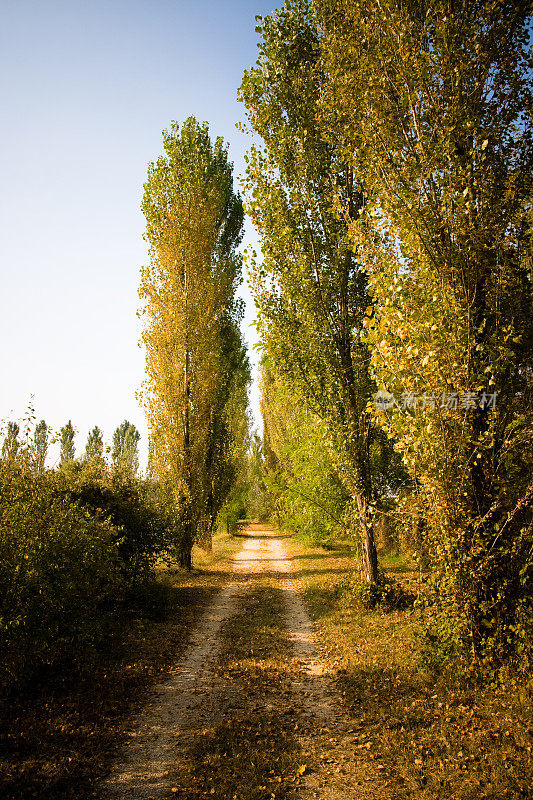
x=195, y=358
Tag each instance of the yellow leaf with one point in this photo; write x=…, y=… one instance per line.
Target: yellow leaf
x=301, y=770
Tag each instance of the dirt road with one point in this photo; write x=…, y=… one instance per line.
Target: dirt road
x=250, y=711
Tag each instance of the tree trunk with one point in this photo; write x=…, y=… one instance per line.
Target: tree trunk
x=369, y=556
x=205, y=538
x=186, y=558
x=185, y=547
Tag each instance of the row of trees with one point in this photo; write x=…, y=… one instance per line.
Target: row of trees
x=391, y=189
x=124, y=450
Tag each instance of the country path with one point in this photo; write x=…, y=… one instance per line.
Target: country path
x=250, y=710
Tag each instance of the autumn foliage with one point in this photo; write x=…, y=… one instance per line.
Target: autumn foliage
x=391, y=185
x=197, y=370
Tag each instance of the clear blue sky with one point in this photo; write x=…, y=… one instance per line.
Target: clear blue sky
x=87, y=88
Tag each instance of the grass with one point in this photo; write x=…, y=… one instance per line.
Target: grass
x=434, y=737
x=59, y=735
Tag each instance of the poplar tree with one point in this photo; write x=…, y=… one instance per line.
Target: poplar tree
x=94, y=448
x=430, y=102
x=11, y=443
x=124, y=455
x=310, y=288
x=66, y=442
x=301, y=470
x=228, y=435
x=40, y=446
x=193, y=227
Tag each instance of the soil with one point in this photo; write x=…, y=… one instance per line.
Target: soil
x=251, y=710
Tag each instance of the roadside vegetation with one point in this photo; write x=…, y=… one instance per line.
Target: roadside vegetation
x=77, y=544
x=430, y=735
x=390, y=183
x=59, y=734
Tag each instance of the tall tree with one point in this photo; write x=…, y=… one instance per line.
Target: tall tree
x=10, y=444
x=124, y=455
x=193, y=225
x=40, y=446
x=94, y=448
x=431, y=104
x=66, y=443
x=310, y=289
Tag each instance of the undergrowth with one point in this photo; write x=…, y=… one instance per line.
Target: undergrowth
x=386, y=594
x=58, y=736
x=435, y=736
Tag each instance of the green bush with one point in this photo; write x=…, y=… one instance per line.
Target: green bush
x=59, y=571
x=142, y=526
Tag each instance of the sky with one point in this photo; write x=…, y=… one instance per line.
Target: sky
x=87, y=89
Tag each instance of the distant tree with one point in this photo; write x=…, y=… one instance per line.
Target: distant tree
x=125, y=455
x=305, y=491
x=11, y=442
x=150, y=466
x=94, y=449
x=229, y=432
x=40, y=446
x=230, y=475
x=256, y=507
x=66, y=441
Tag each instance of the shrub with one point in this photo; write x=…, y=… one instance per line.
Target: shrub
x=387, y=593
x=142, y=526
x=58, y=572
